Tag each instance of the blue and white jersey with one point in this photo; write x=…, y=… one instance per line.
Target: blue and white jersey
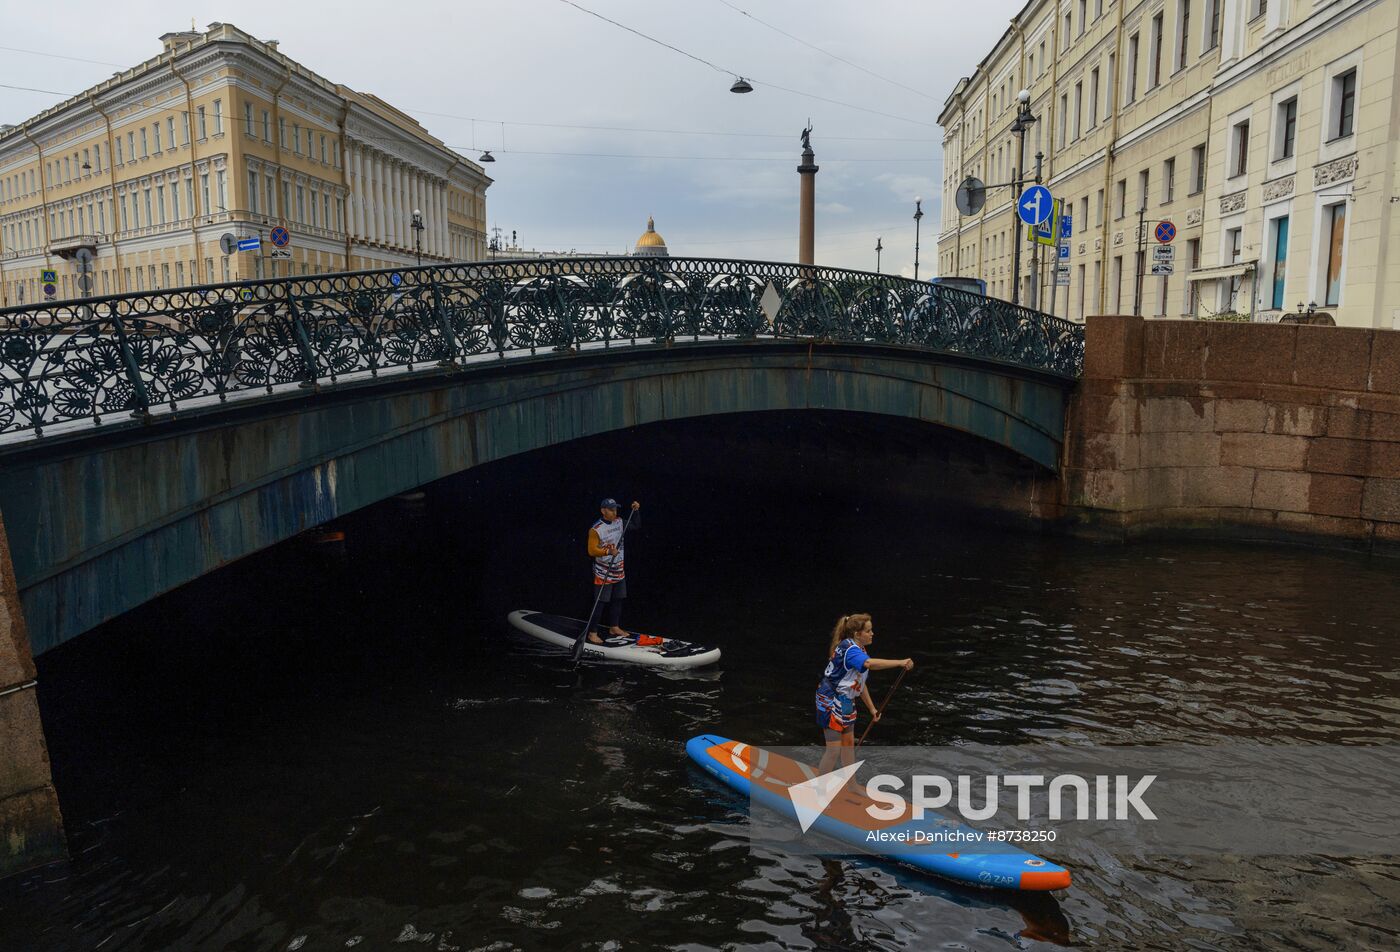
x=845, y=673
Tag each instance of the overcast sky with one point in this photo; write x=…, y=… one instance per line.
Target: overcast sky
x=543, y=62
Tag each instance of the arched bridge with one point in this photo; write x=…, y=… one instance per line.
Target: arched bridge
x=146, y=439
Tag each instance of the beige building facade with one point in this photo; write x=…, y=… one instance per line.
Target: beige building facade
x=1265, y=131
x=223, y=134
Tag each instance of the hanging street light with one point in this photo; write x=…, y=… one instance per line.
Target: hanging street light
x=741, y=85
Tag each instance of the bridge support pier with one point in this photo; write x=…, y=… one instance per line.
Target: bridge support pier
x=31, y=826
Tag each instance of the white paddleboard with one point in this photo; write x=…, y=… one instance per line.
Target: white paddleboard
x=562, y=631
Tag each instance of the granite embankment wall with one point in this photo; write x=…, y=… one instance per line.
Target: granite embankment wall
x=1256, y=431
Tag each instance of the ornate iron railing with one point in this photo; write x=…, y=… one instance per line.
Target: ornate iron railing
x=141, y=354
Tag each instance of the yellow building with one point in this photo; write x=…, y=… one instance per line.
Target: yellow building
x=1265, y=131
x=221, y=134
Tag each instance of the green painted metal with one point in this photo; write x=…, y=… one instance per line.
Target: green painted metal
x=105, y=519
x=152, y=355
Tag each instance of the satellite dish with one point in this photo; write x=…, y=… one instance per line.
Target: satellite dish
x=972, y=195
x=228, y=243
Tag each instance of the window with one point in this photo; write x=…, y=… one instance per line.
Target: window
x=203, y=124
x=248, y=118
x=97, y=157
x=271, y=196
x=1213, y=35
x=1098, y=208
x=1344, y=109
x=1198, y=169
x=1239, y=144
x=150, y=219
x=204, y=193
x=267, y=126
x=1030, y=64
x=1069, y=26
x=1156, y=52
x=1064, y=119
x=160, y=204
x=1280, y=269
x=170, y=128
x=1183, y=26
x=175, y=200
x=1130, y=93
x=1042, y=59
x=155, y=134
x=1083, y=15
x=282, y=132
x=1287, y=128
x=296, y=138
x=218, y=117
x=1144, y=181
x=1093, y=98
x=1118, y=285
x=180, y=274
x=1233, y=243
x=165, y=275
x=1169, y=180
x=87, y=161
x=1120, y=198
x=1260, y=7
x=67, y=169
x=1078, y=109
x=222, y=179
x=145, y=151
x=1334, y=219
x=323, y=150
x=253, y=192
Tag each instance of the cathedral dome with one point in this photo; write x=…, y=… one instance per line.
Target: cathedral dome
x=651, y=243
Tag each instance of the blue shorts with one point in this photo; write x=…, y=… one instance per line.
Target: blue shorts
x=836, y=714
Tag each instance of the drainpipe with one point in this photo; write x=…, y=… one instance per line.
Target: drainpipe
x=345, y=178
x=277, y=152
x=194, y=168
x=1109, y=152
x=43, y=199
x=112, y=175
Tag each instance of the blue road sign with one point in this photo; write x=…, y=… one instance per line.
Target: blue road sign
x=1064, y=251
x=50, y=289
x=50, y=277
x=249, y=244
x=281, y=237
x=1166, y=231
x=396, y=279
x=1035, y=205
x=1066, y=226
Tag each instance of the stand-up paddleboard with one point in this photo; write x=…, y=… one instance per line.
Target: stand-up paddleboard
x=766, y=777
x=562, y=631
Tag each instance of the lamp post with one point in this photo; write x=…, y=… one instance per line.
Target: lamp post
x=417, y=225
x=1023, y=121
x=878, y=248
x=918, y=217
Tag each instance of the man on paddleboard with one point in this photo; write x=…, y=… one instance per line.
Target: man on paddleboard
x=842, y=682
x=605, y=547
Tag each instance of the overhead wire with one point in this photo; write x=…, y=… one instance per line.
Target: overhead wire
x=751, y=79
x=839, y=59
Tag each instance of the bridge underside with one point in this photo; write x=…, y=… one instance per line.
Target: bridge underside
x=102, y=522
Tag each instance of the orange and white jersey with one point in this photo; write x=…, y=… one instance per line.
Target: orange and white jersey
x=608, y=569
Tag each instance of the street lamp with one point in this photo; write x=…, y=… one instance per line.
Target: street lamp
x=1023, y=121
x=918, y=217
x=417, y=225
x=879, y=247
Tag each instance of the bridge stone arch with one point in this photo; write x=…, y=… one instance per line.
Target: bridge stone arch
x=102, y=520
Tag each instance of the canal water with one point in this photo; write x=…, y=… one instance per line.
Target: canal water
x=329, y=747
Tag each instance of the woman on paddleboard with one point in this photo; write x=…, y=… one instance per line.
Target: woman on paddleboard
x=842, y=682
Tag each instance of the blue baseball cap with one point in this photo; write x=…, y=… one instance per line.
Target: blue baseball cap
x=609, y=503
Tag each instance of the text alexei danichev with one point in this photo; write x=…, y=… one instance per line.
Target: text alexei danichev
x=925, y=836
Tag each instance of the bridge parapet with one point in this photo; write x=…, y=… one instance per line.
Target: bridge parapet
x=75, y=363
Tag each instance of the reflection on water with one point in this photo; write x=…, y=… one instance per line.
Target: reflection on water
x=321, y=752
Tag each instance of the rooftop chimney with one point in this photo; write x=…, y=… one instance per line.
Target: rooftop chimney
x=174, y=41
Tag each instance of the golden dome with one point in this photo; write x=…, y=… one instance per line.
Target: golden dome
x=651, y=243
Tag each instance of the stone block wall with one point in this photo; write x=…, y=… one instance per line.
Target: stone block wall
x=1243, y=430
x=31, y=828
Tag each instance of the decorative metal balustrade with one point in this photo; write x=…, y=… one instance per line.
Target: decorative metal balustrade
x=144, y=354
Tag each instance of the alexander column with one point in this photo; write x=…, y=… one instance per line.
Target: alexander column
x=806, y=235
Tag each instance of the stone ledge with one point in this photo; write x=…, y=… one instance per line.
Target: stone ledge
x=31, y=830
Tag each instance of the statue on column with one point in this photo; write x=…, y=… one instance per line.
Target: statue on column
x=806, y=137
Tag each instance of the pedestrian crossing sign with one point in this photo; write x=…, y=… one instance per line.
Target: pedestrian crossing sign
x=1044, y=233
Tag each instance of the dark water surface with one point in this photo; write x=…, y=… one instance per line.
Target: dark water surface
x=321, y=752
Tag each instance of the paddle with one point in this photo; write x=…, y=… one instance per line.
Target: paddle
x=588, y=625
x=881, y=711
